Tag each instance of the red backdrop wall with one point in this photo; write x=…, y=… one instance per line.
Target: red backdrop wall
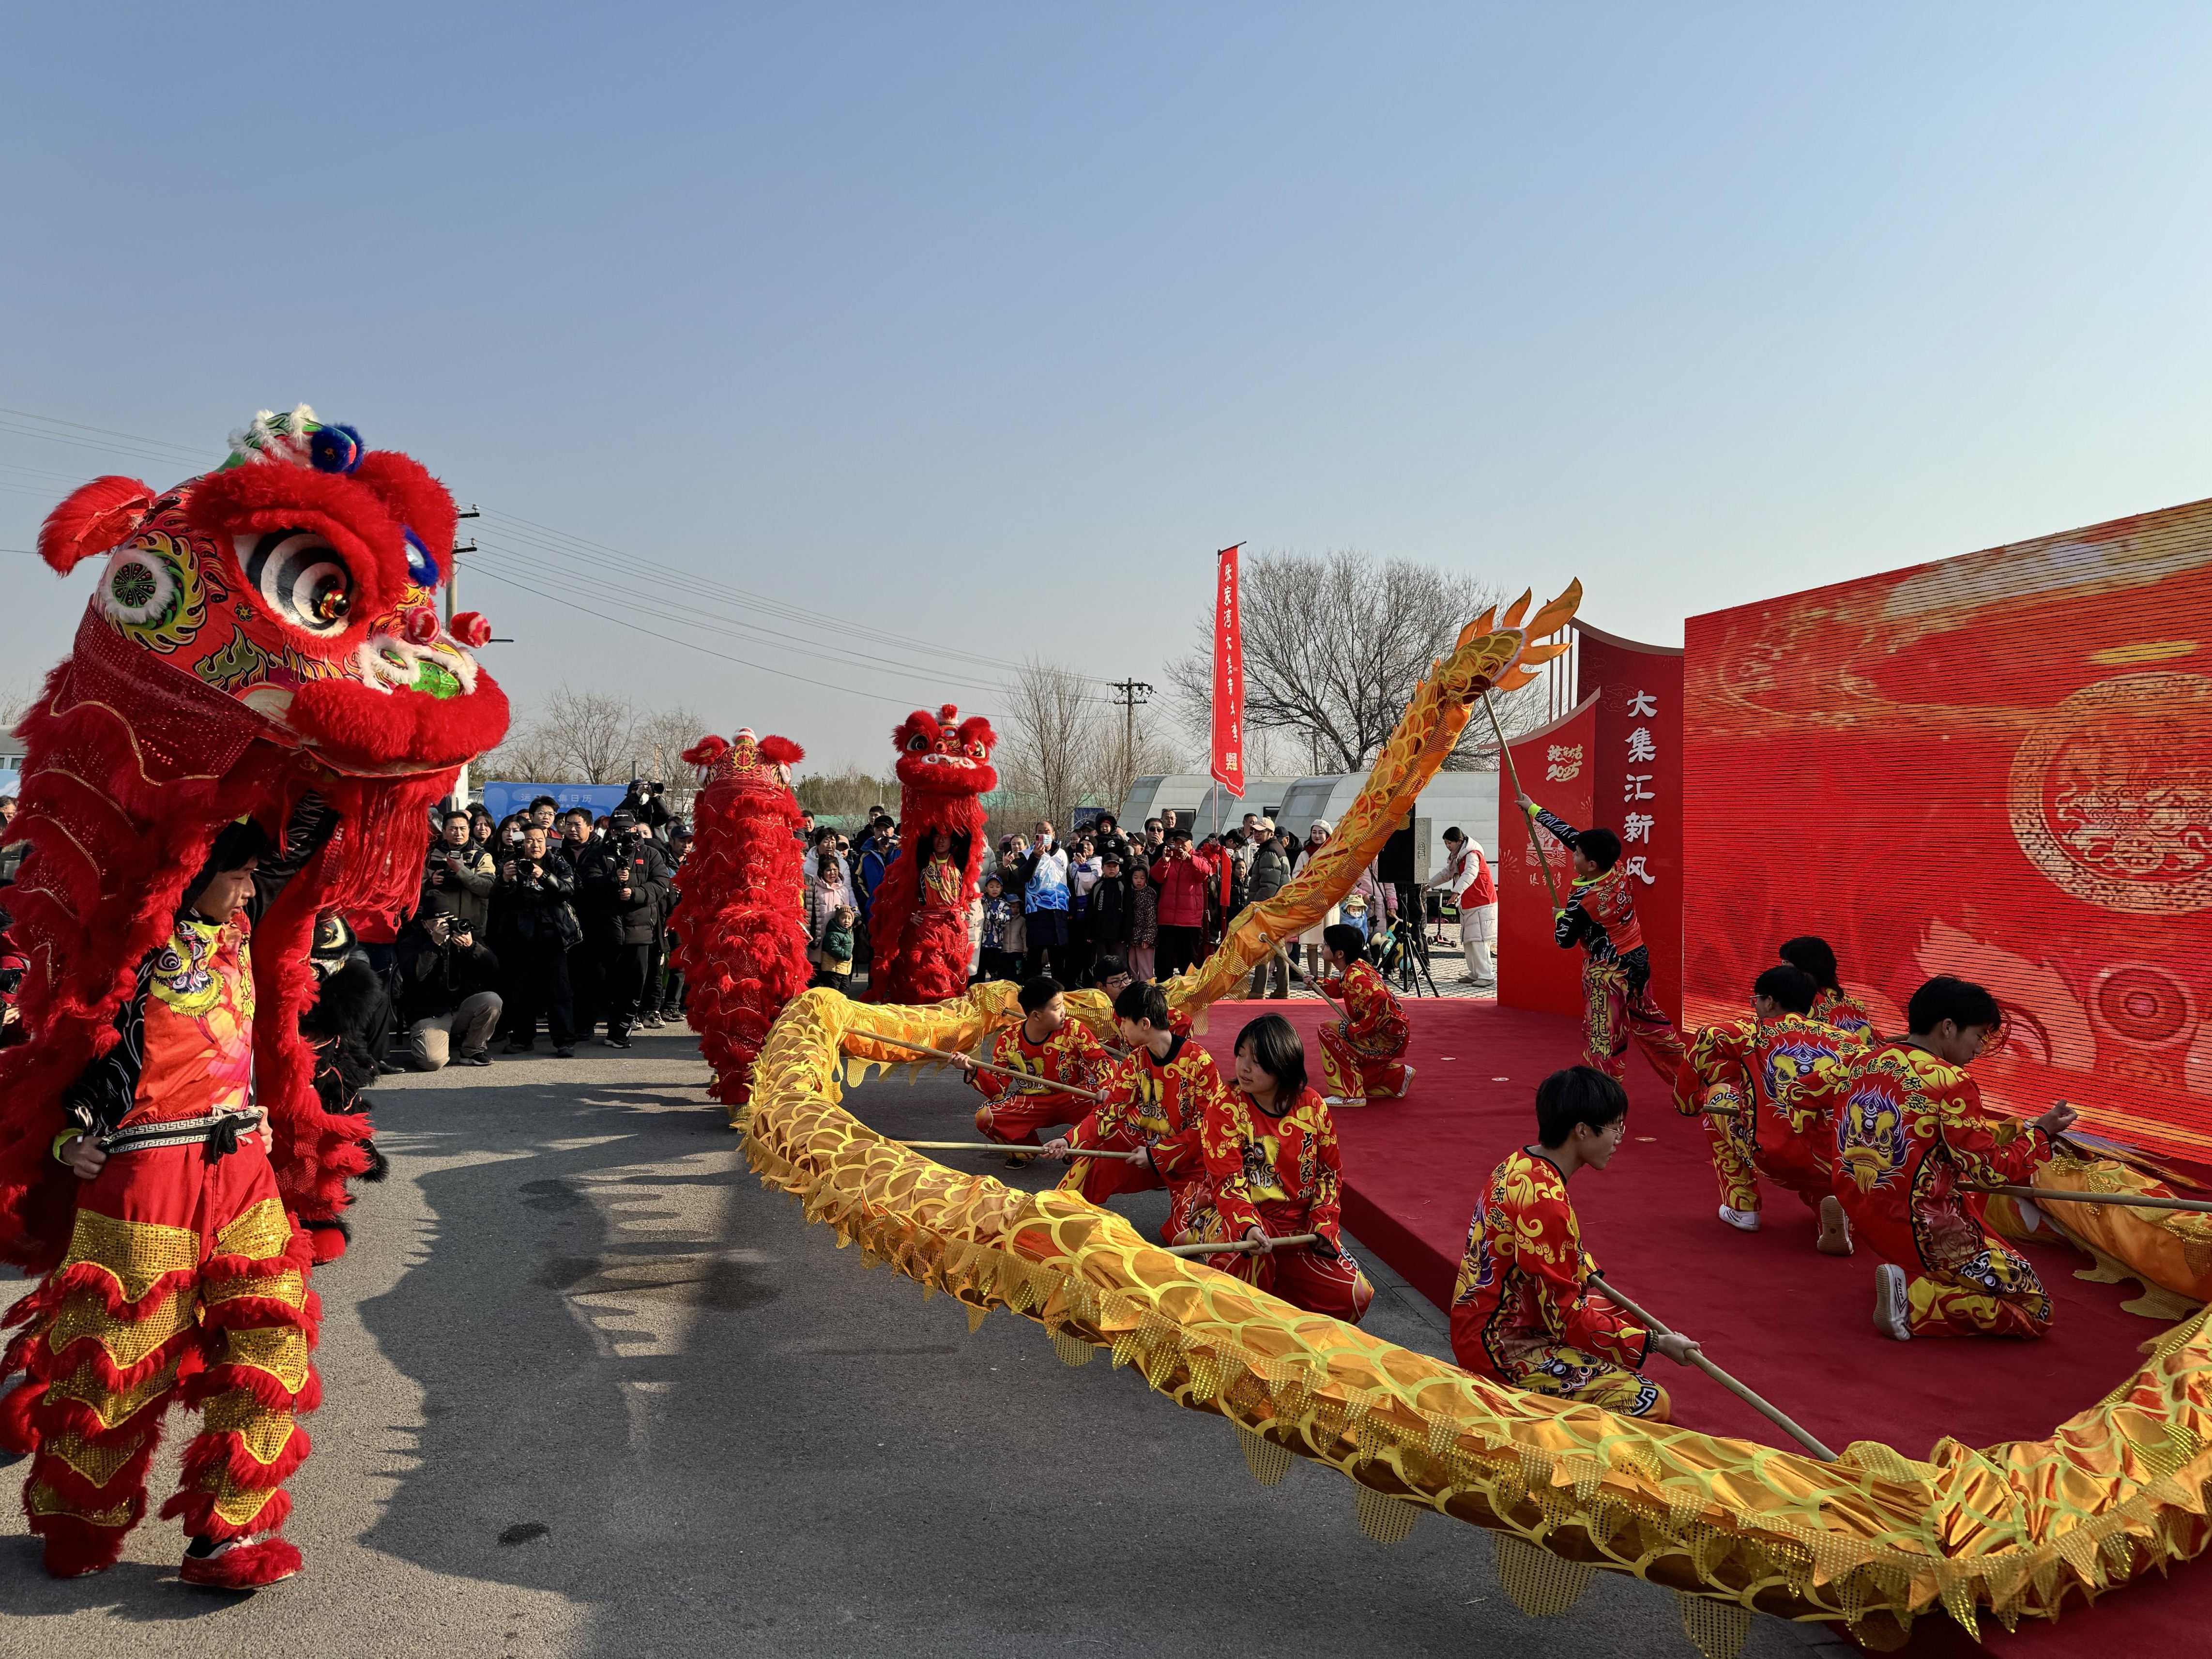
x=1558, y=765
x=1997, y=765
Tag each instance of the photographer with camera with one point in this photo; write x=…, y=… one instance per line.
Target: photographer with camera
x=535, y=885
x=624, y=881
x=643, y=802
x=448, y=994
x=460, y=872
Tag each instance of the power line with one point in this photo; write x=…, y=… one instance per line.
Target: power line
x=581, y=550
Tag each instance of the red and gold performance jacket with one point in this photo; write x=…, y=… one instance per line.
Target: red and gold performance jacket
x=183, y=1040
x=1375, y=1023
x=1845, y=1013
x=1157, y=1104
x=940, y=884
x=1785, y=1073
x=1910, y=1138
x=1600, y=917
x=1524, y=1283
x=1286, y=1164
x=1071, y=1054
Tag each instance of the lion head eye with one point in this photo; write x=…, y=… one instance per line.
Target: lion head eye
x=917, y=745
x=300, y=578
x=975, y=750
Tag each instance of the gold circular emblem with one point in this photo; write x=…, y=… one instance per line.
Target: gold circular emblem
x=2110, y=794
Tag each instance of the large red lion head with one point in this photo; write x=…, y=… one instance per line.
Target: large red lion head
x=946, y=754
x=300, y=578
x=746, y=760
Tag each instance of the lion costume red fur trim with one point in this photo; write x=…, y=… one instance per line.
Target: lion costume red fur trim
x=741, y=928
x=262, y=631
x=945, y=770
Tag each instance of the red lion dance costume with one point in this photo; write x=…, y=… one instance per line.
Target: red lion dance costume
x=918, y=919
x=264, y=644
x=742, y=939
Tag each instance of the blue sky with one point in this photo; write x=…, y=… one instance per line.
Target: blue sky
x=982, y=326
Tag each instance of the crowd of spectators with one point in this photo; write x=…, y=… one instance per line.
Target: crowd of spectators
x=558, y=923
x=1148, y=905
x=546, y=922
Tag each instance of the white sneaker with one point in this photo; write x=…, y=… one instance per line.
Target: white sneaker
x=1892, y=1309
x=1744, y=1221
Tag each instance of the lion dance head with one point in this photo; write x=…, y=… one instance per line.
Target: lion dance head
x=265, y=631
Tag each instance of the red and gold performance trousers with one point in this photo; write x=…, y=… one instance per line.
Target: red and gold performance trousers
x=1331, y=1284
x=1189, y=1201
x=1613, y=1015
x=1793, y=1161
x=184, y=1276
x=1356, y=1073
x=1015, y=1119
x=1989, y=1291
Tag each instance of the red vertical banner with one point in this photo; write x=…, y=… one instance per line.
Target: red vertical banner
x=1228, y=677
x=1558, y=766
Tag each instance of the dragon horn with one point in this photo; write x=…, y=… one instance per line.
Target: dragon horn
x=1556, y=615
x=1517, y=610
x=1477, y=628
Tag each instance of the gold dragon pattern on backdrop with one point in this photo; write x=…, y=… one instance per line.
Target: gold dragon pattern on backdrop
x=1871, y=1541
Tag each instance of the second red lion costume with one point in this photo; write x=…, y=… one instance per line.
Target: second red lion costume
x=918, y=919
x=743, y=941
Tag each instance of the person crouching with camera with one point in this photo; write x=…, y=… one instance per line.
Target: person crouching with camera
x=447, y=993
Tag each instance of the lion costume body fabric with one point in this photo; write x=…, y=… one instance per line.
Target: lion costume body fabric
x=918, y=919
x=742, y=945
x=264, y=644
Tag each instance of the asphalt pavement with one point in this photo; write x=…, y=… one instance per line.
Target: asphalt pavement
x=590, y=1389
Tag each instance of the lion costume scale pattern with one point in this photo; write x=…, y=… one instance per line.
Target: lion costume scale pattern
x=918, y=919
x=742, y=943
x=265, y=644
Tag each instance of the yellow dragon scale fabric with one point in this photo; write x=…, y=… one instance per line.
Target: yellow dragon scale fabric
x=1874, y=1540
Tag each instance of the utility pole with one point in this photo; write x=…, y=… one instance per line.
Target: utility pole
x=1133, y=694
x=452, y=582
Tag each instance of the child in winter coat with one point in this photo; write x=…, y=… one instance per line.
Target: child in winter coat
x=835, y=953
x=1000, y=914
x=1144, y=923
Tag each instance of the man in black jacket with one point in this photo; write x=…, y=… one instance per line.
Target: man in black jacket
x=1109, y=911
x=448, y=989
x=535, y=887
x=624, y=880
x=1271, y=870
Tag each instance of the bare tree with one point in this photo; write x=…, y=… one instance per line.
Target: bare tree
x=1050, y=754
x=580, y=737
x=1334, y=647
x=847, y=794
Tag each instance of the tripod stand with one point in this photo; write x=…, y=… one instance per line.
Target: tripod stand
x=1408, y=952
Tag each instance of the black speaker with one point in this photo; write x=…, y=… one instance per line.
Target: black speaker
x=1395, y=864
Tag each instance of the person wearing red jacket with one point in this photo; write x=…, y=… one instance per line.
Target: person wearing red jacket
x=1769, y=1087
x=1273, y=1172
x=1145, y=1133
x=1049, y=1050
x=1181, y=876
x=1523, y=1312
x=1363, y=1055
x=1912, y=1146
x=1467, y=878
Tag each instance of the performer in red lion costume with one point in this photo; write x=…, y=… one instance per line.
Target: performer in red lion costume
x=743, y=949
x=918, y=920
x=260, y=707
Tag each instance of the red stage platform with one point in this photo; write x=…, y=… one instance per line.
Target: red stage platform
x=1791, y=1323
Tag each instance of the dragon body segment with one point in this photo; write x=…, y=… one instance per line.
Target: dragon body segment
x=743, y=935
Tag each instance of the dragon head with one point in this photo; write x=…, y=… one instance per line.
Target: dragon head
x=300, y=578
x=945, y=753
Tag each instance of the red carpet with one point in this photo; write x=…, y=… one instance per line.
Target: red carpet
x=1794, y=1325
